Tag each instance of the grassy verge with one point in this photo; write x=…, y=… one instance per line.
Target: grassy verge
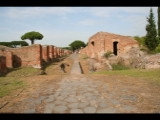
x=14, y=80
x=152, y=75
x=8, y=84
x=23, y=72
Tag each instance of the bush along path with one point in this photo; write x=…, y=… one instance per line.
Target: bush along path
x=80, y=93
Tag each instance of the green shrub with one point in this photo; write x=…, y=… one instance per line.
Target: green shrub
x=158, y=49
x=119, y=67
x=107, y=54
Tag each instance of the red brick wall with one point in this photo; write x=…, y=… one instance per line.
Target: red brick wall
x=27, y=56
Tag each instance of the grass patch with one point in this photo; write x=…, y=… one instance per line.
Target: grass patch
x=8, y=84
x=119, y=67
x=152, y=75
x=14, y=79
x=23, y=71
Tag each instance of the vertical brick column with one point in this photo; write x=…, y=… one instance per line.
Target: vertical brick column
x=58, y=55
x=50, y=52
x=55, y=52
x=53, y=49
x=45, y=53
x=3, y=67
x=9, y=59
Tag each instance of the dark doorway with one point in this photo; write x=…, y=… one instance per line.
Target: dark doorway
x=115, y=49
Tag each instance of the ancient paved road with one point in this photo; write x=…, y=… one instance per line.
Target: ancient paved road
x=78, y=94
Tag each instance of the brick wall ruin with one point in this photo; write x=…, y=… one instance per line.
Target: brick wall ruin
x=102, y=42
x=34, y=55
x=125, y=51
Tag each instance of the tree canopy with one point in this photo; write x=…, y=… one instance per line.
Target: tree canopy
x=158, y=21
x=14, y=44
x=151, y=40
x=19, y=43
x=77, y=44
x=32, y=36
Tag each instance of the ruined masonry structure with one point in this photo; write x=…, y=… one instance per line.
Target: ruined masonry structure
x=101, y=42
x=34, y=55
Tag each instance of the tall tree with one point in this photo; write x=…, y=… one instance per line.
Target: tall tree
x=151, y=40
x=32, y=36
x=158, y=21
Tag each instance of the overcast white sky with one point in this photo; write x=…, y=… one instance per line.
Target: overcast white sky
x=62, y=25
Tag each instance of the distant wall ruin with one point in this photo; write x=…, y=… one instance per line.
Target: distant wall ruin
x=34, y=55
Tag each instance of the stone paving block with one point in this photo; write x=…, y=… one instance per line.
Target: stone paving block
x=49, y=107
x=83, y=104
x=79, y=97
x=59, y=102
x=89, y=110
x=60, y=98
x=73, y=105
x=88, y=94
x=76, y=111
x=93, y=103
x=90, y=98
x=60, y=109
x=133, y=98
x=50, y=99
x=103, y=104
x=71, y=99
x=107, y=110
x=29, y=111
x=128, y=108
x=115, y=102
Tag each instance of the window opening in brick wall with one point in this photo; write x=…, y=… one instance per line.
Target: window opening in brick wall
x=92, y=43
x=115, y=48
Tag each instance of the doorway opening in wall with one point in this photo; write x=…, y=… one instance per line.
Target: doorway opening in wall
x=115, y=48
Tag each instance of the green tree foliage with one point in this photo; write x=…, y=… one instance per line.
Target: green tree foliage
x=32, y=36
x=66, y=48
x=158, y=49
x=8, y=44
x=158, y=21
x=77, y=44
x=151, y=40
x=19, y=43
x=141, y=40
x=14, y=44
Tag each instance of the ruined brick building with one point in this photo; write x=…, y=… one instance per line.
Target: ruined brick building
x=101, y=42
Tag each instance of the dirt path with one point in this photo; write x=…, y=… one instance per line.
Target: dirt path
x=85, y=93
